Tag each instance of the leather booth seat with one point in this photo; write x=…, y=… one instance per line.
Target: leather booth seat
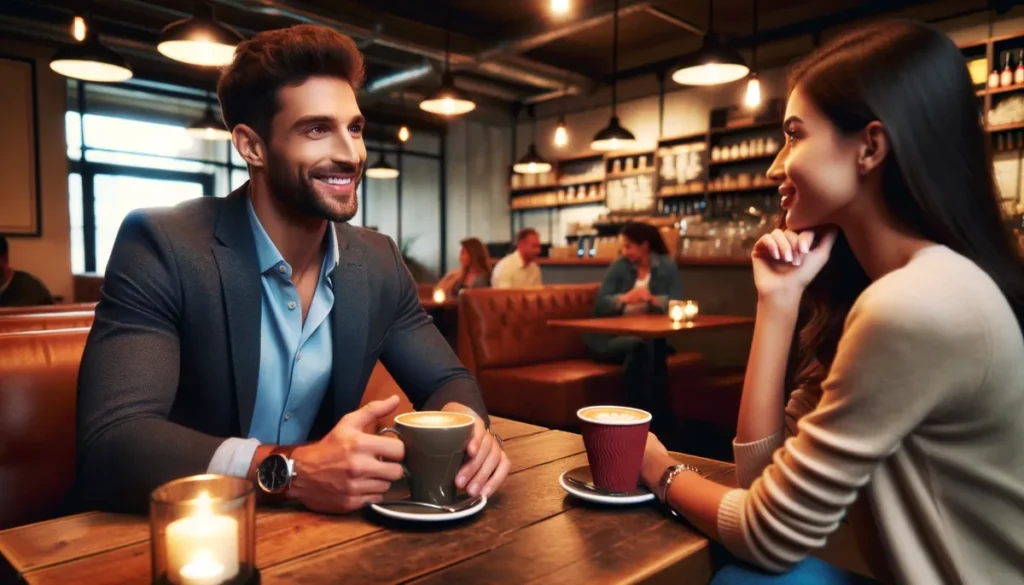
x=38, y=385
x=38, y=378
x=535, y=373
x=44, y=321
x=58, y=308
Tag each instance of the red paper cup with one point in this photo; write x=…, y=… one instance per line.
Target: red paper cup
x=615, y=437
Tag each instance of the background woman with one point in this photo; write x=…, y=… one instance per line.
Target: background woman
x=642, y=280
x=910, y=400
x=474, y=269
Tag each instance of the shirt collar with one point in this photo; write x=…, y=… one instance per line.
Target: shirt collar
x=268, y=256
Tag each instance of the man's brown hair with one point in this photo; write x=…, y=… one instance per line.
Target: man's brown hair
x=284, y=57
x=525, y=233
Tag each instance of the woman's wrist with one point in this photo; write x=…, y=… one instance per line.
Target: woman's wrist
x=785, y=300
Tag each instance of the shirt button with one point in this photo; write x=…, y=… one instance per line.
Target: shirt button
x=287, y=415
x=282, y=269
x=291, y=305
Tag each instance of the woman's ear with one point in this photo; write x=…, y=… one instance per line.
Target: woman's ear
x=249, y=145
x=874, y=148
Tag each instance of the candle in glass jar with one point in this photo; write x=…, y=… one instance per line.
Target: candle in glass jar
x=690, y=310
x=676, y=313
x=202, y=549
x=439, y=296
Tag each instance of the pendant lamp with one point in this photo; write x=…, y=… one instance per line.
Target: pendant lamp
x=448, y=100
x=714, y=63
x=209, y=127
x=532, y=162
x=614, y=136
x=200, y=40
x=752, y=98
x=90, y=60
x=381, y=169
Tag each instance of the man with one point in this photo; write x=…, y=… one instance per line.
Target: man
x=237, y=335
x=519, y=269
x=17, y=288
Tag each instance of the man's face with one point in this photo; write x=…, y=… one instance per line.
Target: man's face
x=529, y=247
x=316, y=152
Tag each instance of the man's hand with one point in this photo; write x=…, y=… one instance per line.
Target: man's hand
x=348, y=468
x=488, y=465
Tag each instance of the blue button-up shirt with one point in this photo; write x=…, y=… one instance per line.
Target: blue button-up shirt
x=295, y=356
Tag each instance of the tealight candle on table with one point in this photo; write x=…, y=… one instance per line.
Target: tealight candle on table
x=202, y=531
x=690, y=310
x=676, y=311
x=439, y=296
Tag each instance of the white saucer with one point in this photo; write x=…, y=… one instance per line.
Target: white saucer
x=639, y=496
x=414, y=514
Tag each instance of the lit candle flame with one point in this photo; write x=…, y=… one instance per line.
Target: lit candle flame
x=439, y=296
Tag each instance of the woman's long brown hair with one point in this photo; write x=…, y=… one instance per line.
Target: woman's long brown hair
x=479, y=259
x=938, y=178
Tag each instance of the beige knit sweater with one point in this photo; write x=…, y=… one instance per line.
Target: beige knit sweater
x=923, y=410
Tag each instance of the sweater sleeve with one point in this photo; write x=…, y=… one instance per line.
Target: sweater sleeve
x=752, y=458
x=903, y=354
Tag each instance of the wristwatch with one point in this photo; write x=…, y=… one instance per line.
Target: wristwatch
x=669, y=476
x=274, y=474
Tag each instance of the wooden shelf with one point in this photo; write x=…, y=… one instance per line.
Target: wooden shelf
x=980, y=93
x=757, y=126
x=578, y=183
x=1005, y=127
x=548, y=187
x=683, y=138
x=734, y=161
x=762, y=187
x=557, y=205
x=1008, y=88
x=633, y=173
x=666, y=192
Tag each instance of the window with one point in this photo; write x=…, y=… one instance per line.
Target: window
x=121, y=160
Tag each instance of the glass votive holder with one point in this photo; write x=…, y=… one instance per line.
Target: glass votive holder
x=203, y=531
x=675, y=311
x=690, y=310
x=439, y=296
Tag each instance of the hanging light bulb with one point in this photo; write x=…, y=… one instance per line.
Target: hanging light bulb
x=200, y=40
x=561, y=134
x=448, y=100
x=614, y=136
x=714, y=63
x=79, y=28
x=532, y=162
x=403, y=133
x=753, y=97
x=559, y=6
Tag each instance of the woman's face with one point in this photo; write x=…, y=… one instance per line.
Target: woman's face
x=633, y=251
x=464, y=258
x=818, y=167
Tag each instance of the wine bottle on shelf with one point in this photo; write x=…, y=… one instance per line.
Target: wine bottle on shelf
x=1018, y=73
x=1006, y=78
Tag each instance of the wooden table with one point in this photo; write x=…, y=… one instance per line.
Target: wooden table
x=429, y=304
x=648, y=326
x=530, y=531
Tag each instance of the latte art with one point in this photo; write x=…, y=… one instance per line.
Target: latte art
x=435, y=419
x=613, y=415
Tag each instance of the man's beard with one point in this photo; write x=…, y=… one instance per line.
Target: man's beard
x=299, y=193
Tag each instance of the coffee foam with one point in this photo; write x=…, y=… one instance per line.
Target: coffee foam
x=435, y=419
x=613, y=415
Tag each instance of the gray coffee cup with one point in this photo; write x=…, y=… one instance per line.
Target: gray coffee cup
x=435, y=449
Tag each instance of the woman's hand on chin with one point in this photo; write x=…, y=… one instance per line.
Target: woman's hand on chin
x=785, y=262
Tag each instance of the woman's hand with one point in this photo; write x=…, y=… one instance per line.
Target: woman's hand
x=785, y=262
x=638, y=294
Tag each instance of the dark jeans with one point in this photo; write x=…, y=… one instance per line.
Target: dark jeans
x=645, y=370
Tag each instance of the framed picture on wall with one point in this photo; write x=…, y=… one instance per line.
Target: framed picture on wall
x=20, y=197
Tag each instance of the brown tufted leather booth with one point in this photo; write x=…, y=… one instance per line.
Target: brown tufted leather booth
x=59, y=308
x=44, y=321
x=38, y=378
x=529, y=371
x=38, y=382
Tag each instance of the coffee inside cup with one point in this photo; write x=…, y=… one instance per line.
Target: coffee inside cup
x=434, y=419
x=613, y=415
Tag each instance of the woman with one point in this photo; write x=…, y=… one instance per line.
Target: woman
x=474, y=269
x=642, y=281
x=911, y=393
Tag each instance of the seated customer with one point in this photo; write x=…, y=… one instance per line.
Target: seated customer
x=520, y=269
x=474, y=269
x=642, y=281
x=236, y=335
x=17, y=288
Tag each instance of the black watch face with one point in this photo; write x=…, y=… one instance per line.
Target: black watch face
x=273, y=473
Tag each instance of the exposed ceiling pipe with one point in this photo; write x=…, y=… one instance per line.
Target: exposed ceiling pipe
x=673, y=19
